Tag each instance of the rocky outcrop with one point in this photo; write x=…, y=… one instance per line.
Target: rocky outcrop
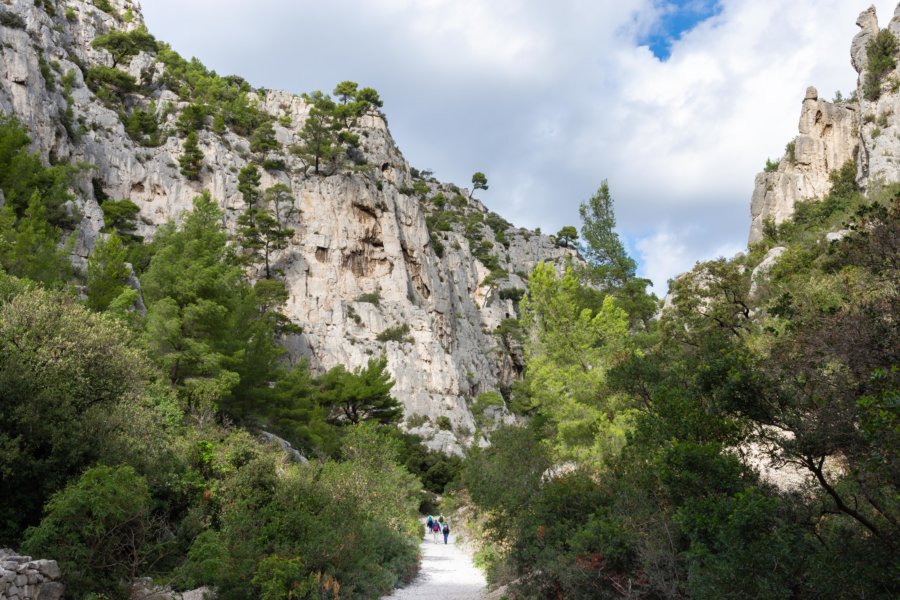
x=828, y=139
x=22, y=578
x=861, y=128
x=359, y=234
x=879, y=160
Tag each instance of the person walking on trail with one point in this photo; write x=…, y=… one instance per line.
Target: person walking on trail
x=441, y=518
x=446, y=530
x=436, y=529
x=429, y=523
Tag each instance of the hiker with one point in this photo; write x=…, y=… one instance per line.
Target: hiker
x=446, y=530
x=441, y=518
x=436, y=529
x=429, y=523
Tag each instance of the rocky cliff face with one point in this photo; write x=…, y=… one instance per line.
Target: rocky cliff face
x=359, y=234
x=828, y=139
x=862, y=129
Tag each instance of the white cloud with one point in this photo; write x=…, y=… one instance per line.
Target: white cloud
x=548, y=99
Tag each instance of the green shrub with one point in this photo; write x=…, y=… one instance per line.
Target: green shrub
x=514, y=294
x=110, y=85
x=105, y=6
x=70, y=14
x=444, y=424
x=100, y=530
x=11, y=20
x=120, y=216
x=142, y=127
x=274, y=164
x=370, y=297
x=416, y=420
x=397, y=333
x=771, y=165
x=790, y=151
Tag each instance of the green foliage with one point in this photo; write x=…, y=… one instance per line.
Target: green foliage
x=346, y=527
x=192, y=119
x=204, y=328
x=396, y=333
x=120, y=216
x=263, y=138
x=107, y=273
x=191, y=161
x=567, y=236
x=444, y=424
x=771, y=166
x=63, y=370
x=482, y=403
x=71, y=15
x=514, y=294
x=370, y=297
x=360, y=395
x=610, y=264
x=11, y=20
x=23, y=175
x=568, y=355
x=105, y=6
x=319, y=142
x=790, y=152
x=227, y=99
x=881, y=55
x=29, y=245
x=142, y=127
x=110, y=85
x=124, y=45
x=100, y=530
x=479, y=182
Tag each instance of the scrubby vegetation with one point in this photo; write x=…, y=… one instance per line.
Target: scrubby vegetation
x=881, y=53
x=634, y=476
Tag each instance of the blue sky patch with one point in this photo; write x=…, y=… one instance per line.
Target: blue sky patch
x=678, y=17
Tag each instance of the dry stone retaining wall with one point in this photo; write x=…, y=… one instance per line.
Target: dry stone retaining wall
x=24, y=579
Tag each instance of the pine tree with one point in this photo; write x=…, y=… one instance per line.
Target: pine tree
x=610, y=264
x=107, y=272
x=191, y=160
x=361, y=395
x=319, y=136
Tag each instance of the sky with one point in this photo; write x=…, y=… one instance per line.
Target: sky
x=677, y=103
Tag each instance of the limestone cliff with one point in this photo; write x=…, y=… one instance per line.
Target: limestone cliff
x=828, y=139
x=861, y=128
x=362, y=259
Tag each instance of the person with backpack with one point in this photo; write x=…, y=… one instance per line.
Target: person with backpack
x=446, y=530
x=429, y=523
x=436, y=529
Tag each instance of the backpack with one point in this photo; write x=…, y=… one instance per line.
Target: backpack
x=446, y=528
x=436, y=527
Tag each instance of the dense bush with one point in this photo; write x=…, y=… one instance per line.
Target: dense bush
x=101, y=531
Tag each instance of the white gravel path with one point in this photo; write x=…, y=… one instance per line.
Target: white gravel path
x=446, y=573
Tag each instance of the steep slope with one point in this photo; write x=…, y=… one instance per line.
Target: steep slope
x=363, y=262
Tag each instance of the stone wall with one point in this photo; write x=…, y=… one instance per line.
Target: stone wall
x=24, y=579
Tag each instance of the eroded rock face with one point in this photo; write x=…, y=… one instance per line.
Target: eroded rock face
x=879, y=160
x=828, y=139
x=358, y=232
x=860, y=129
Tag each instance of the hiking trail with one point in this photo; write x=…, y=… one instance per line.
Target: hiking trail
x=446, y=573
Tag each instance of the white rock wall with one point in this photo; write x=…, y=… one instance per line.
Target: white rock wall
x=355, y=232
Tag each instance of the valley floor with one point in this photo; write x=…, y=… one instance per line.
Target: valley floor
x=446, y=573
